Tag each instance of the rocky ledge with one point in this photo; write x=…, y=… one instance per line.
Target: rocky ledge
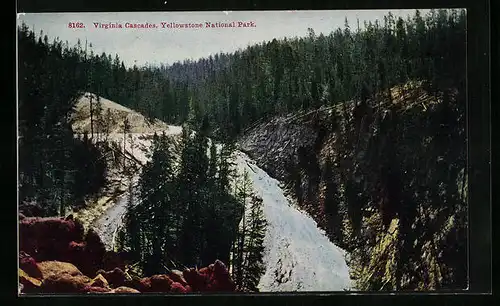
x=56, y=256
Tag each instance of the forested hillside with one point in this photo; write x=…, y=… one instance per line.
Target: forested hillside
x=386, y=180
x=365, y=124
x=280, y=76
x=168, y=224
x=56, y=169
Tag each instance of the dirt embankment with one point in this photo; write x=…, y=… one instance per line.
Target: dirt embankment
x=111, y=118
x=384, y=178
x=125, y=153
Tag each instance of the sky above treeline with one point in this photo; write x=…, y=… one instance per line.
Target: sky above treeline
x=166, y=44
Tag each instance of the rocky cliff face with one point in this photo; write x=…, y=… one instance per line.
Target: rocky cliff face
x=384, y=177
x=277, y=142
x=56, y=256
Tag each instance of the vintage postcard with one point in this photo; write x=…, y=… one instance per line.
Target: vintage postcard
x=242, y=151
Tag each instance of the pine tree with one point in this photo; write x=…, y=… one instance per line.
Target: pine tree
x=91, y=87
x=99, y=119
x=212, y=224
x=247, y=249
x=193, y=172
x=234, y=90
x=243, y=193
x=48, y=92
x=126, y=129
x=254, y=265
x=223, y=95
x=154, y=213
x=132, y=229
x=108, y=122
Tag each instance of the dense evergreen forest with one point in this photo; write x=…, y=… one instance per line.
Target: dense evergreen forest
x=56, y=169
x=172, y=226
x=279, y=76
x=168, y=225
x=218, y=97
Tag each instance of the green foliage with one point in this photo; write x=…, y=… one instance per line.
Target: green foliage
x=248, y=248
x=254, y=265
x=184, y=215
x=51, y=159
x=243, y=190
x=92, y=168
x=234, y=90
x=188, y=213
x=149, y=221
x=400, y=190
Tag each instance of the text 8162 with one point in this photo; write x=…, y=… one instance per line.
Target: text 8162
x=76, y=25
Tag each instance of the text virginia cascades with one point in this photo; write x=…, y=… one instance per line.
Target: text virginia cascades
x=174, y=25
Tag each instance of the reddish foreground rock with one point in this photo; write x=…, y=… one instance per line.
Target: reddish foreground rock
x=51, y=268
x=90, y=257
x=214, y=278
x=64, y=277
x=177, y=277
x=65, y=283
x=124, y=290
x=48, y=238
x=28, y=284
x=28, y=265
x=99, y=281
x=115, y=277
x=91, y=289
x=56, y=257
x=63, y=239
